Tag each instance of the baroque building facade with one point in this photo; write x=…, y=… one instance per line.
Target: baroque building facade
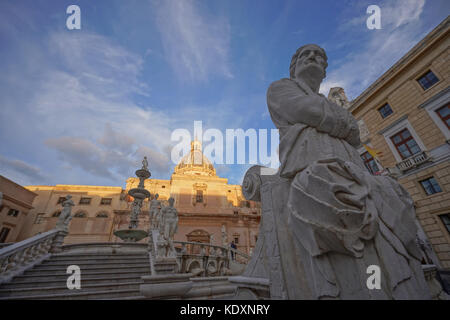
x=210, y=210
x=15, y=206
x=404, y=119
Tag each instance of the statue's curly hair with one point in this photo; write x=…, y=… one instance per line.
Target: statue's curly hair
x=297, y=54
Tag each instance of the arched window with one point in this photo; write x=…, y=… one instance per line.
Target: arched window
x=102, y=215
x=56, y=214
x=80, y=214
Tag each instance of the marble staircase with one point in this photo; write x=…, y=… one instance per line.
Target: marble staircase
x=103, y=276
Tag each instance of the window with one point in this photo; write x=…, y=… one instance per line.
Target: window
x=85, y=200
x=39, y=218
x=445, y=218
x=199, y=196
x=236, y=212
x=236, y=240
x=102, y=215
x=385, y=110
x=13, y=212
x=163, y=187
x=4, y=234
x=444, y=114
x=80, y=215
x=405, y=144
x=370, y=163
x=430, y=186
x=105, y=201
x=61, y=200
x=427, y=80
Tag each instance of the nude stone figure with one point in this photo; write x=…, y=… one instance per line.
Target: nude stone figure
x=155, y=207
x=65, y=216
x=170, y=220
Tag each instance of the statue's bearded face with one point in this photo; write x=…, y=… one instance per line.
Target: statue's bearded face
x=311, y=62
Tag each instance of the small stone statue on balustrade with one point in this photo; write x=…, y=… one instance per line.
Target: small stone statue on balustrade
x=168, y=226
x=170, y=220
x=65, y=216
x=155, y=208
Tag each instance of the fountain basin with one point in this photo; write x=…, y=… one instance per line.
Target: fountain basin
x=139, y=193
x=131, y=235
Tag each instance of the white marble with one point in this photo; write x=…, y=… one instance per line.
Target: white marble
x=325, y=218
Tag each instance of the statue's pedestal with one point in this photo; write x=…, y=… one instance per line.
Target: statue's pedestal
x=250, y=288
x=131, y=235
x=163, y=260
x=59, y=240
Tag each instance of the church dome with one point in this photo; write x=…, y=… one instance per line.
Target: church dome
x=195, y=163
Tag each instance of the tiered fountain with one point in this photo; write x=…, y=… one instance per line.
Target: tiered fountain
x=132, y=234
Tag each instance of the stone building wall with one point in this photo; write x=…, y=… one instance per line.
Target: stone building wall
x=223, y=206
x=14, y=210
x=415, y=108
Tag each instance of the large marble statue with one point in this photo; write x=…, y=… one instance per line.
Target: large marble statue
x=65, y=216
x=326, y=219
x=155, y=207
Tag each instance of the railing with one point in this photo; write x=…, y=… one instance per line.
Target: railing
x=201, y=248
x=5, y=244
x=413, y=161
x=20, y=256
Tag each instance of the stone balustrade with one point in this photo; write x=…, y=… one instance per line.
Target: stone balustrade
x=413, y=161
x=199, y=248
x=20, y=256
x=211, y=259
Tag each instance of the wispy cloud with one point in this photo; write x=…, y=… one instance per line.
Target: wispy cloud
x=112, y=153
x=379, y=49
x=82, y=109
x=196, y=43
x=20, y=171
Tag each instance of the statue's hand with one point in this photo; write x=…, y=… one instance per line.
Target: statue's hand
x=353, y=137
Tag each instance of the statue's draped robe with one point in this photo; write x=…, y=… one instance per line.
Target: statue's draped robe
x=343, y=217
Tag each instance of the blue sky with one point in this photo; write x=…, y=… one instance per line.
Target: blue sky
x=84, y=106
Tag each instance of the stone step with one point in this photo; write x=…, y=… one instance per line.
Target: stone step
x=97, y=256
x=61, y=282
x=63, y=276
x=94, y=295
x=87, y=289
x=50, y=271
x=127, y=298
x=93, y=261
x=89, y=266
